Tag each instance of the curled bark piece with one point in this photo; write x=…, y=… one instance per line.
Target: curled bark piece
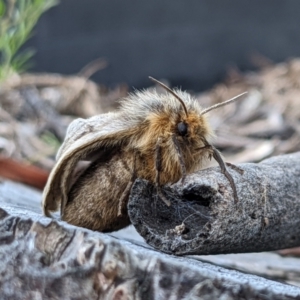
x=203, y=218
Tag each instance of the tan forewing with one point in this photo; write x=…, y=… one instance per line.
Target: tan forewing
x=104, y=132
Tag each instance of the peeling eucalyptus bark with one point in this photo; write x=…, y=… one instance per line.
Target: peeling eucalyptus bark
x=203, y=218
x=45, y=259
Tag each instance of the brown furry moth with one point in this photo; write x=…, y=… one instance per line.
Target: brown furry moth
x=158, y=137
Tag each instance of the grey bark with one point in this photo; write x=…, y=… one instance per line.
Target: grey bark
x=34, y=107
x=46, y=259
x=203, y=218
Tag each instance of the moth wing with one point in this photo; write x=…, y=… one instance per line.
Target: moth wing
x=99, y=133
x=80, y=127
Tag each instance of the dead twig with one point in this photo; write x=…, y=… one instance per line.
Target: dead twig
x=267, y=217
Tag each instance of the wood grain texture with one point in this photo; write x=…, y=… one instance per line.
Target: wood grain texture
x=45, y=259
x=203, y=218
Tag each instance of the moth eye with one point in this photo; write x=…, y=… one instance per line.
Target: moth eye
x=182, y=128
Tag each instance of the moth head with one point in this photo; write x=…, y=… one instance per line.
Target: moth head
x=192, y=121
x=186, y=121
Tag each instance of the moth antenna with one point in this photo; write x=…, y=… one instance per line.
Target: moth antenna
x=222, y=103
x=170, y=91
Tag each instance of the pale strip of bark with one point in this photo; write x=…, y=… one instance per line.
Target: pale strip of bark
x=203, y=218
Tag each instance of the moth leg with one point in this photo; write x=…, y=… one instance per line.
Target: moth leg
x=180, y=156
x=158, y=170
x=123, y=198
x=216, y=155
x=232, y=166
x=218, y=158
x=235, y=168
x=210, y=150
x=126, y=192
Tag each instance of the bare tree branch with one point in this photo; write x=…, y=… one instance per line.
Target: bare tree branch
x=204, y=219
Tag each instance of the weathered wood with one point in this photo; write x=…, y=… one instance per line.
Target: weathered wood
x=45, y=259
x=203, y=218
x=267, y=264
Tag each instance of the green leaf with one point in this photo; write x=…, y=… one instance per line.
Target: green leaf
x=15, y=29
x=2, y=8
x=21, y=61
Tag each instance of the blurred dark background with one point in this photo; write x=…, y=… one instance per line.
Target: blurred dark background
x=191, y=43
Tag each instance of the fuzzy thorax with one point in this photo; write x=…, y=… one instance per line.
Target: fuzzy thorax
x=162, y=113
